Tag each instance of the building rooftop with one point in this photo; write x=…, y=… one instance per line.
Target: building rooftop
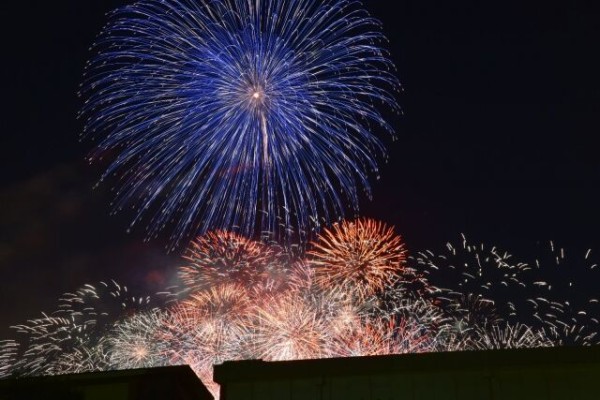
x=423, y=362
x=544, y=373
x=177, y=383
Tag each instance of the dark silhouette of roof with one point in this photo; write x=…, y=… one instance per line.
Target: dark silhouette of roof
x=177, y=383
x=556, y=373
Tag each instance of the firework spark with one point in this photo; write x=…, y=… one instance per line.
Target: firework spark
x=223, y=114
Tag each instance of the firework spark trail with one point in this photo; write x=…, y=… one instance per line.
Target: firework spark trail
x=8, y=357
x=564, y=297
x=225, y=114
x=106, y=301
x=478, y=282
x=554, y=294
x=507, y=336
x=67, y=340
x=363, y=256
x=51, y=340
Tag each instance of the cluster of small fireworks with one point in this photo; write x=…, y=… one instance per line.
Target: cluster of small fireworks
x=354, y=292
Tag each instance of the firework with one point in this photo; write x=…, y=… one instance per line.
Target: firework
x=223, y=257
x=363, y=256
x=218, y=311
x=204, y=331
x=222, y=301
x=237, y=114
x=287, y=328
x=221, y=343
x=135, y=342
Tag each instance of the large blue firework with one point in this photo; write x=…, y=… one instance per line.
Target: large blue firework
x=255, y=115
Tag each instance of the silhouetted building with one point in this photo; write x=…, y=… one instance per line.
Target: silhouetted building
x=549, y=373
x=173, y=383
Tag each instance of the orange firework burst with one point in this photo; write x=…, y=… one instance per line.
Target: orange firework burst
x=363, y=256
x=224, y=257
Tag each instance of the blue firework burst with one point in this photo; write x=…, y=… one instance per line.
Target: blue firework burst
x=237, y=114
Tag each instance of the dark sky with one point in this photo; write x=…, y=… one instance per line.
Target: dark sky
x=498, y=141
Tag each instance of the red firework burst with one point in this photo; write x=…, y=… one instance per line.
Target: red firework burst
x=223, y=257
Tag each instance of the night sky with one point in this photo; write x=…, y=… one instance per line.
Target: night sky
x=498, y=141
